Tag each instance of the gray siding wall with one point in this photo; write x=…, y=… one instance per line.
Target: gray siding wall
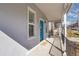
x=13, y=22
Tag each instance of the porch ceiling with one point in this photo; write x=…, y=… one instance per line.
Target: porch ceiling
x=53, y=11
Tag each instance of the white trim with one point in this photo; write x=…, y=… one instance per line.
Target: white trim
x=65, y=33
x=33, y=11
x=65, y=24
x=32, y=24
x=42, y=19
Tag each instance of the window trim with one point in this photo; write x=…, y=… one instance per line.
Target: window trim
x=33, y=11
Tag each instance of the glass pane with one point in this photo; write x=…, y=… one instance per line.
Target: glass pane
x=31, y=17
x=31, y=30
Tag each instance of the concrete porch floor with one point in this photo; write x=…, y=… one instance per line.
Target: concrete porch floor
x=44, y=48
x=53, y=50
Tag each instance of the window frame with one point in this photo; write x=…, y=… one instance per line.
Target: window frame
x=29, y=23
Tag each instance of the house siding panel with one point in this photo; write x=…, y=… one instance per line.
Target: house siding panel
x=13, y=21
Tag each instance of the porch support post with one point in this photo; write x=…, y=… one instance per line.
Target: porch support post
x=60, y=29
x=65, y=34
x=53, y=26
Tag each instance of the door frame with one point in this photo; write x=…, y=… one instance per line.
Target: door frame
x=41, y=19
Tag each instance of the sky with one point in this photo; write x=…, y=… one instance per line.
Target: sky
x=72, y=14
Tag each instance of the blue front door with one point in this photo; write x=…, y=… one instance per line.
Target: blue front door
x=41, y=30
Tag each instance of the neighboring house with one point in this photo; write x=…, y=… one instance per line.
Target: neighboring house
x=73, y=26
x=24, y=23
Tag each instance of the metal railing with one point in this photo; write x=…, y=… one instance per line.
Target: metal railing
x=72, y=48
x=52, y=45
x=62, y=37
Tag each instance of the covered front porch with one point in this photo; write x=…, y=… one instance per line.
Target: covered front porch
x=55, y=43
x=40, y=29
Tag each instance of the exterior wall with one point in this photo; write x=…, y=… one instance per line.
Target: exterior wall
x=13, y=22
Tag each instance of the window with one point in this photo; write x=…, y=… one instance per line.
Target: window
x=31, y=17
x=31, y=30
x=31, y=23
